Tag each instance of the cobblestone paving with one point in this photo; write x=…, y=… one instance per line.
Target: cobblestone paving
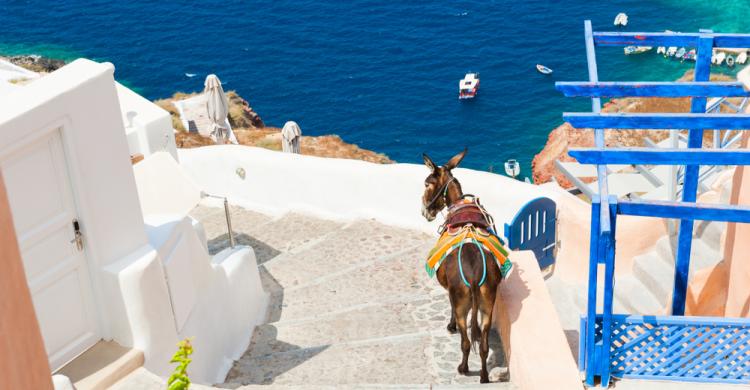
x=351, y=306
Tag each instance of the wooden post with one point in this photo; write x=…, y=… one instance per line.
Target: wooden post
x=23, y=359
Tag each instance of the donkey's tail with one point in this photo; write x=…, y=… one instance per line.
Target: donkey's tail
x=475, y=332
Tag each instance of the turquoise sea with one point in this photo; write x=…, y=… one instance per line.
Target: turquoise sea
x=381, y=74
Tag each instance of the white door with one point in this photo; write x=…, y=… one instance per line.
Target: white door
x=41, y=201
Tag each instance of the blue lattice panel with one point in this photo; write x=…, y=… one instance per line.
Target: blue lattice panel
x=701, y=349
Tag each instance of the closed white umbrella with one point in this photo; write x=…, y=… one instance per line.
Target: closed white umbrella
x=217, y=106
x=290, y=136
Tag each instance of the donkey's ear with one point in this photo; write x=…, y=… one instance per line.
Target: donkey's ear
x=455, y=160
x=428, y=162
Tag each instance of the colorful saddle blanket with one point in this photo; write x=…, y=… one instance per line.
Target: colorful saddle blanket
x=454, y=239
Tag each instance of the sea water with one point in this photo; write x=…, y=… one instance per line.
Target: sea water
x=381, y=74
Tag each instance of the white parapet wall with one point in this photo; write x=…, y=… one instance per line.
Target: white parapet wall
x=343, y=189
x=147, y=126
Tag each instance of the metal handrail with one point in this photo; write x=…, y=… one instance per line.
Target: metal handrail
x=226, y=214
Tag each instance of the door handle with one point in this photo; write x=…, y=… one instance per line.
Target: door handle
x=77, y=235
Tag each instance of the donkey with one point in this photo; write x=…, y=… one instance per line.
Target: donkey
x=443, y=190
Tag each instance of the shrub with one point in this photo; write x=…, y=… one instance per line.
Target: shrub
x=179, y=379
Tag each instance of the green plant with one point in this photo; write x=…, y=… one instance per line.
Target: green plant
x=179, y=379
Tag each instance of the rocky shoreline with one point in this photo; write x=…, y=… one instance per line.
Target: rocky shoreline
x=246, y=123
x=565, y=136
x=250, y=130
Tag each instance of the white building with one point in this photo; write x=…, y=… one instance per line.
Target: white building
x=101, y=266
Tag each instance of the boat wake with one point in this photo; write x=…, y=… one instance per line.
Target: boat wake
x=190, y=74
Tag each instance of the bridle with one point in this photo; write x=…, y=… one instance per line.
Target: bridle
x=443, y=192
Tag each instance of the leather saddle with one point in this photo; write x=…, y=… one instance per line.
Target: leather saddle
x=467, y=212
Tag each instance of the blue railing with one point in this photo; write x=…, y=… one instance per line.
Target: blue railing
x=690, y=348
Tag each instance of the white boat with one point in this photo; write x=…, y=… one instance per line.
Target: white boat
x=690, y=55
x=730, y=60
x=636, y=49
x=468, y=86
x=661, y=50
x=720, y=58
x=621, y=19
x=543, y=69
x=742, y=58
x=680, y=53
x=671, y=51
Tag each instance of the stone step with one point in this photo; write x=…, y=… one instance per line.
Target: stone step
x=366, y=322
x=357, y=244
x=498, y=386
x=268, y=236
x=389, y=361
x=656, y=276
x=102, y=365
x=631, y=296
x=400, y=277
x=710, y=232
x=416, y=358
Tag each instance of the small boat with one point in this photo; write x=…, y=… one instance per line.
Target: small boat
x=680, y=53
x=661, y=50
x=543, y=69
x=636, y=49
x=720, y=58
x=690, y=56
x=730, y=61
x=468, y=86
x=742, y=58
x=671, y=51
x=621, y=19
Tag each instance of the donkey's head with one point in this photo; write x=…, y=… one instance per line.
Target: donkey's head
x=440, y=186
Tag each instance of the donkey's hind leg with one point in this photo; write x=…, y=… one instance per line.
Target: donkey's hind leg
x=443, y=280
x=452, y=323
x=462, y=304
x=486, y=303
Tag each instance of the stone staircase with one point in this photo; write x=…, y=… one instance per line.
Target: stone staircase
x=351, y=307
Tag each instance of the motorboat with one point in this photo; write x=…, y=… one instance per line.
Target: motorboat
x=671, y=51
x=636, y=49
x=730, y=60
x=543, y=69
x=680, y=53
x=468, y=86
x=621, y=19
x=742, y=58
x=661, y=50
x=690, y=55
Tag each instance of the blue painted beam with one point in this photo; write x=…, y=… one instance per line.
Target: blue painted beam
x=658, y=121
x=651, y=156
x=668, y=39
x=690, y=186
x=685, y=210
x=651, y=89
x=645, y=39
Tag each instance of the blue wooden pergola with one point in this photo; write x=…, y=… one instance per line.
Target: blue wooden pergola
x=676, y=347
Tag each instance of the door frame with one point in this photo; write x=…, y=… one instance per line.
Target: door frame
x=72, y=168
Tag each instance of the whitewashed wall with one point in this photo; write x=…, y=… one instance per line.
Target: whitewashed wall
x=134, y=302
x=343, y=189
x=147, y=126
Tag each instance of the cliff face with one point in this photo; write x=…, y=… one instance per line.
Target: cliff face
x=250, y=130
x=36, y=63
x=565, y=136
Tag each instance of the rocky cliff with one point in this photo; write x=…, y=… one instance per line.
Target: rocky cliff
x=565, y=136
x=252, y=131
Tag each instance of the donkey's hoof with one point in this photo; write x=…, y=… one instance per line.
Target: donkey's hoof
x=484, y=379
x=463, y=369
x=452, y=328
